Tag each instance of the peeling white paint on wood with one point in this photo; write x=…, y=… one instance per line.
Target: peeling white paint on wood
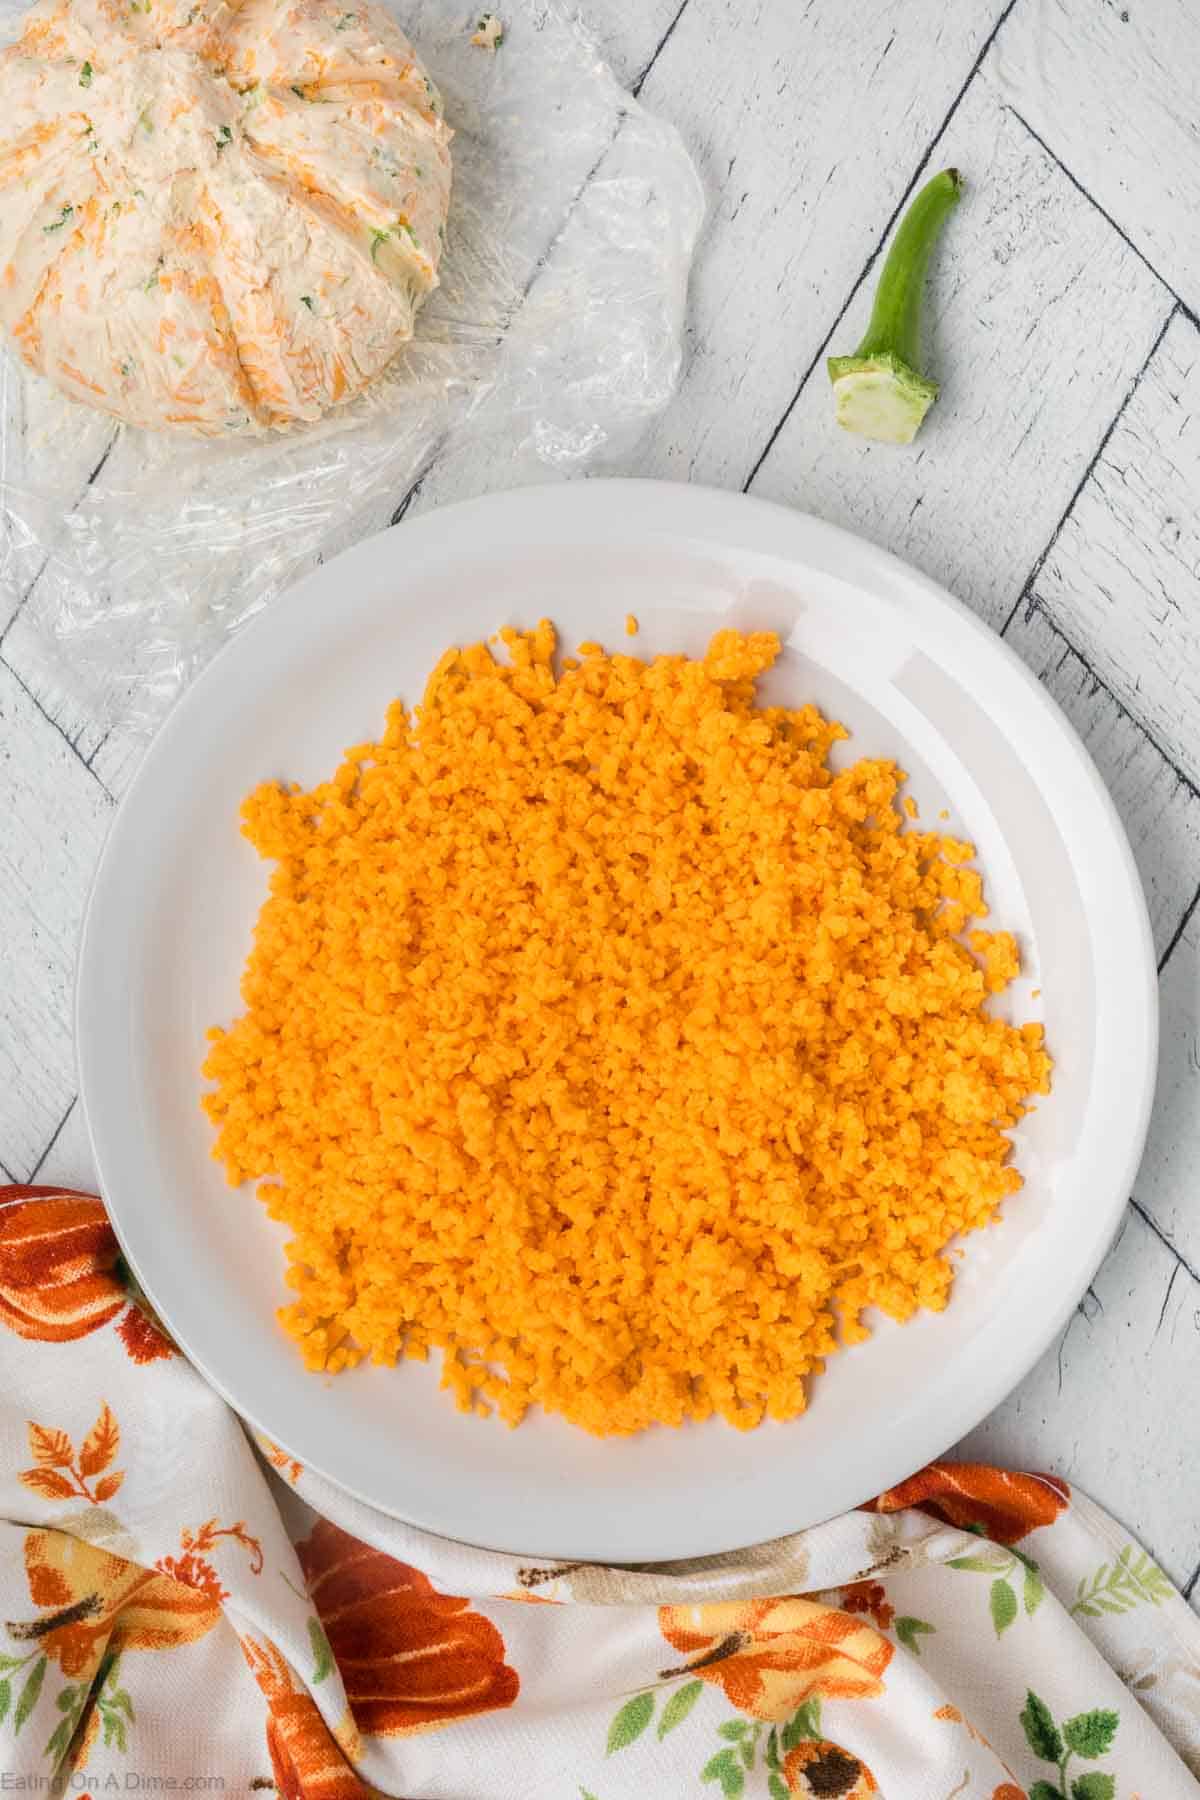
x=1040, y=318
x=1168, y=1184
x=629, y=32
x=1112, y=88
x=68, y=1162
x=55, y=817
x=807, y=123
x=1159, y=809
x=75, y=707
x=1123, y=578
x=37, y=416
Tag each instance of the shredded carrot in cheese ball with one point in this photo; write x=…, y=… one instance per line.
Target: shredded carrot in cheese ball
x=599, y=1034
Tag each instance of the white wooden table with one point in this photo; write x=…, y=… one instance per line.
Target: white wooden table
x=1054, y=489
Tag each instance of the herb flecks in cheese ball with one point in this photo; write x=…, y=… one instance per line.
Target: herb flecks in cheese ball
x=221, y=220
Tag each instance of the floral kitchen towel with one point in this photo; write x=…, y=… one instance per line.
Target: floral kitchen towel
x=180, y=1612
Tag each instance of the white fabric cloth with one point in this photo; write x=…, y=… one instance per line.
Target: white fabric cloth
x=178, y=1615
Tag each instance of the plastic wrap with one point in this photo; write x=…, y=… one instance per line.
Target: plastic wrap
x=127, y=557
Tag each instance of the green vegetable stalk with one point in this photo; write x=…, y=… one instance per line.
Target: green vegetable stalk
x=880, y=390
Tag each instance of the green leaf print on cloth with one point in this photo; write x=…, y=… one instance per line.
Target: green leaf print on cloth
x=322, y=1654
x=1089, y=1735
x=795, y=1756
x=1003, y=1603
x=911, y=1631
x=29, y=1693
x=726, y=1768
x=679, y=1706
x=1005, y=1566
x=1094, y=1786
x=630, y=1722
x=1041, y=1730
x=1133, y=1580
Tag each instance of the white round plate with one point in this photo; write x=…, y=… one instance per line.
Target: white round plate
x=914, y=676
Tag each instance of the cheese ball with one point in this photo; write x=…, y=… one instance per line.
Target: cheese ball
x=216, y=219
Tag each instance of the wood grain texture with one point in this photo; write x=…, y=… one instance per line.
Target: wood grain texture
x=1043, y=317
x=67, y=1160
x=1123, y=578
x=1168, y=1184
x=1087, y=1411
x=801, y=184
x=1159, y=809
x=76, y=703
x=630, y=33
x=1040, y=318
x=39, y=422
x=587, y=363
x=1112, y=88
x=55, y=817
x=178, y=541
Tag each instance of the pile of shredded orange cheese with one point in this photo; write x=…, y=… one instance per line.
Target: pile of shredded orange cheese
x=599, y=1034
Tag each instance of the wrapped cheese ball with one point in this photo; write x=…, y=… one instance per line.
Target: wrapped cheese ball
x=216, y=218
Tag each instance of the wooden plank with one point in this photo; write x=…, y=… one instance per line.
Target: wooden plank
x=628, y=33
x=807, y=130
x=1159, y=808
x=55, y=817
x=68, y=1159
x=204, y=529
x=49, y=449
x=1128, y=129
x=1123, y=577
x=1170, y=1174
x=1083, y=1411
x=594, y=351
x=77, y=689
x=1040, y=319
x=1095, y=1409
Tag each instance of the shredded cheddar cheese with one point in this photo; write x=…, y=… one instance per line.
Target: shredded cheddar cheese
x=601, y=1035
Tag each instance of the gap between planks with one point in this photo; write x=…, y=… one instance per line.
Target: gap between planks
x=664, y=40
x=54, y=725
x=54, y=1137
x=873, y=258
x=1024, y=597
x=1026, y=593
x=639, y=81
x=42, y=566
x=1034, y=605
x=1124, y=236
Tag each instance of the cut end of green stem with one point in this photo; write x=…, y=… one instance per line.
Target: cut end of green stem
x=880, y=391
x=880, y=398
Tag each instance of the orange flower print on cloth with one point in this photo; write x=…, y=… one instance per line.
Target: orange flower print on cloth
x=57, y=1255
x=819, y=1770
x=192, y=1566
x=411, y=1659
x=59, y=1279
x=91, y=1600
x=771, y=1655
x=280, y=1459
x=1006, y=1507
x=59, y=1473
x=143, y=1339
x=869, y=1597
x=306, y=1760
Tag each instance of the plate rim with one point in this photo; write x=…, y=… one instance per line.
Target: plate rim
x=885, y=568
